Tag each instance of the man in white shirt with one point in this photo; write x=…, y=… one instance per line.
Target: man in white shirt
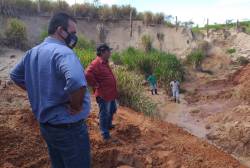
x=175, y=86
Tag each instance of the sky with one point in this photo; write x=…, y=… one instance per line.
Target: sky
x=217, y=11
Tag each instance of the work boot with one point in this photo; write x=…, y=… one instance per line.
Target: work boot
x=112, y=127
x=156, y=91
x=152, y=91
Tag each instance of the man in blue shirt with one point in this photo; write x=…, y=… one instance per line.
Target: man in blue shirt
x=54, y=79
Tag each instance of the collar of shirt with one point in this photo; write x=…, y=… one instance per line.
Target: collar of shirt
x=50, y=39
x=102, y=60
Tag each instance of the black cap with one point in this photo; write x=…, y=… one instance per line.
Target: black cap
x=103, y=47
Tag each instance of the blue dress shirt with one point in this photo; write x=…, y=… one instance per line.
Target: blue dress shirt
x=50, y=72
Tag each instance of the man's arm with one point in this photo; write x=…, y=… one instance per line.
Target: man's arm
x=91, y=76
x=76, y=99
x=18, y=74
x=70, y=67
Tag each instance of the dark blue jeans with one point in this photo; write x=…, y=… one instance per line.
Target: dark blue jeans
x=107, y=110
x=68, y=147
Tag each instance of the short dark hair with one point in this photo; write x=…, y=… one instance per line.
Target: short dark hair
x=59, y=19
x=101, y=48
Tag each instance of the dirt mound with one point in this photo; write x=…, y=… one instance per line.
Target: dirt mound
x=216, y=60
x=242, y=81
x=139, y=141
x=232, y=130
x=20, y=140
x=223, y=104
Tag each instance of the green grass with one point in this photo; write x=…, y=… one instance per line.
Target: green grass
x=244, y=24
x=231, y=50
x=165, y=66
x=131, y=92
x=43, y=34
x=195, y=58
x=86, y=56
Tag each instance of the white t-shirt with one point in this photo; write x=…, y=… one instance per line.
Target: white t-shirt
x=174, y=85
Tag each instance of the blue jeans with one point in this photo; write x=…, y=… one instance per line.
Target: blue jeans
x=68, y=147
x=176, y=94
x=107, y=111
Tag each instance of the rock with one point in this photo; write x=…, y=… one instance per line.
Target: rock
x=162, y=155
x=13, y=56
x=124, y=166
x=173, y=164
x=195, y=111
x=211, y=136
x=149, y=160
x=208, y=126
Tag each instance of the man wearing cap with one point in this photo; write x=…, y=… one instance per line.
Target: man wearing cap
x=100, y=76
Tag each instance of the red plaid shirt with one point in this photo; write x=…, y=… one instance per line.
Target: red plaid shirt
x=100, y=76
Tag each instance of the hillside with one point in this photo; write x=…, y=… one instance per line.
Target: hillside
x=209, y=128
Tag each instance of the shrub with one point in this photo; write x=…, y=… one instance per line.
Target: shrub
x=166, y=66
x=195, y=58
x=160, y=38
x=16, y=35
x=146, y=41
x=131, y=92
x=86, y=56
x=84, y=43
x=116, y=58
x=158, y=18
x=43, y=34
x=231, y=50
x=147, y=18
x=105, y=12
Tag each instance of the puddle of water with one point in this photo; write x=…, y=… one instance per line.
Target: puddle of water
x=179, y=114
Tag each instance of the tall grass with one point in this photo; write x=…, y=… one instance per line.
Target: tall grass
x=195, y=58
x=146, y=41
x=131, y=92
x=164, y=65
x=85, y=50
x=86, y=56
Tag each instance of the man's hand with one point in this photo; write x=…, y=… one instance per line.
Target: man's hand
x=76, y=99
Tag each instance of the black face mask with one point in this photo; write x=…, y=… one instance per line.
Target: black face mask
x=71, y=40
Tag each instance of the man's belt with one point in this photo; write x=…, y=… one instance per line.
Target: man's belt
x=66, y=125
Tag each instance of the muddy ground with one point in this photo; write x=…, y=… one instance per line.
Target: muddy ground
x=142, y=142
x=215, y=108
